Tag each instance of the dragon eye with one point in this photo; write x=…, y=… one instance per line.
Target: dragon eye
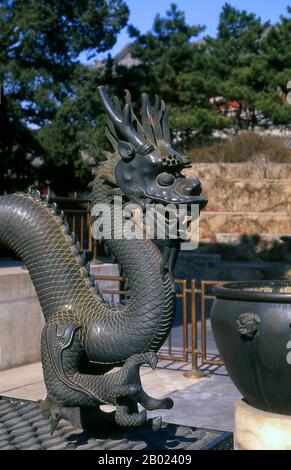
x=165, y=179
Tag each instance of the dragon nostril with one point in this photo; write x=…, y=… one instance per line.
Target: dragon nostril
x=192, y=188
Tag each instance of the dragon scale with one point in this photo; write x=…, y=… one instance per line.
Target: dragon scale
x=84, y=337
x=37, y=234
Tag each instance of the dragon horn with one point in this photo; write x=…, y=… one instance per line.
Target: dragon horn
x=123, y=123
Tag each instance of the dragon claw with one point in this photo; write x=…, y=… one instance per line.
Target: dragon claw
x=52, y=411
x=54, y=420
x=153, y=360
x=129, y=392
x=157, y=423
x=167, y=403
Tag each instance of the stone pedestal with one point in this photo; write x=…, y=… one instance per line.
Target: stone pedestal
x=260, y=430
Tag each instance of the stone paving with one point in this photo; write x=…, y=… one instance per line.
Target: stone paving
x=207, y=403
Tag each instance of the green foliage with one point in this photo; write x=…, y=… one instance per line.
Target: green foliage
x=166, y=55
x=252, y=64
x=17, y=171
x=248, y=63
x=40, y=43
x=76, y=134
x=171, y=64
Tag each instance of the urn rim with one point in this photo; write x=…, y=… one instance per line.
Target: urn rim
x=257, y=291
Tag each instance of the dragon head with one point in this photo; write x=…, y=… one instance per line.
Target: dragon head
x=148, y=168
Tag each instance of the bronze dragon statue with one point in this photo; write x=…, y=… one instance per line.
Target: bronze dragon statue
x=84, y=338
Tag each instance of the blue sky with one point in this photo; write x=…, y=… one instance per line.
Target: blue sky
x=204, y=12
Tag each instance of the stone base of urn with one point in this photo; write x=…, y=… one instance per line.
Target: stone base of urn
x=260, y=430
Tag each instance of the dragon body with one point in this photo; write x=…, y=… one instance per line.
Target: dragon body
x=84, y=338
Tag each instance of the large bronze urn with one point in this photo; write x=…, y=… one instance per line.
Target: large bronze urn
x=251, y=322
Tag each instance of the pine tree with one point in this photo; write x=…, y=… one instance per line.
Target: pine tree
x=40, y=44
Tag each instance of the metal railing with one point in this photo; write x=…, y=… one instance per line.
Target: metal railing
x=204, y=298
x=193, y=342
